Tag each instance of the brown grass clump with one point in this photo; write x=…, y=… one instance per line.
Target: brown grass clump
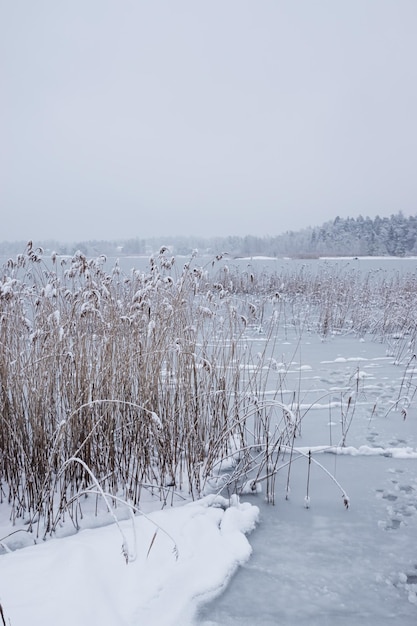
x=148, y=381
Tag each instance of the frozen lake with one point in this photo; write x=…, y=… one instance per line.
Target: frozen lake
x=328, y=565
x=259, y=264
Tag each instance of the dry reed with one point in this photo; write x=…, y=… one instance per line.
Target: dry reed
x=148, y=381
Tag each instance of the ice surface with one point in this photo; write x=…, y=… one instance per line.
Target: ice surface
x=314, y=562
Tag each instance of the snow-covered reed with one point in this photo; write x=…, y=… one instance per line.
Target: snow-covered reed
x=148, y=381
x=332, y=298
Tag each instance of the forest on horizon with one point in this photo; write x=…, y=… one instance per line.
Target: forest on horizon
x=362, y=236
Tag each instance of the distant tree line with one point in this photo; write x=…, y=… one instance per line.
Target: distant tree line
x=362, y=236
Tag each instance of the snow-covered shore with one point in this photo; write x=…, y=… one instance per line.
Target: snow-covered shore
x=84, y=579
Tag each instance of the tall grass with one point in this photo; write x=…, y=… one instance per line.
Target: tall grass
x=149, y=381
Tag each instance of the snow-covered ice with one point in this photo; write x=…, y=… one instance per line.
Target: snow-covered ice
x=315, y=562
x=84, y=579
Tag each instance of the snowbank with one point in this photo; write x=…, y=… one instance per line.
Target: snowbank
x=405, y=452
x=84, y=579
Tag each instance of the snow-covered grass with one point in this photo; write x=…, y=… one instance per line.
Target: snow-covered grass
x=133, y=378
x=125, y=394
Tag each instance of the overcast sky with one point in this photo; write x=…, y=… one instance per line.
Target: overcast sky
x=125, y=118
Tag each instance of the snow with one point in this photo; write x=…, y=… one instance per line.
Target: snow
x=84, y=579
x=396, y=453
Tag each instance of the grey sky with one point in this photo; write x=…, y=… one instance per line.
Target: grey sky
x=125, y=118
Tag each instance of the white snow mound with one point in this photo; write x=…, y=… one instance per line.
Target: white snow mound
x=84, y=579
